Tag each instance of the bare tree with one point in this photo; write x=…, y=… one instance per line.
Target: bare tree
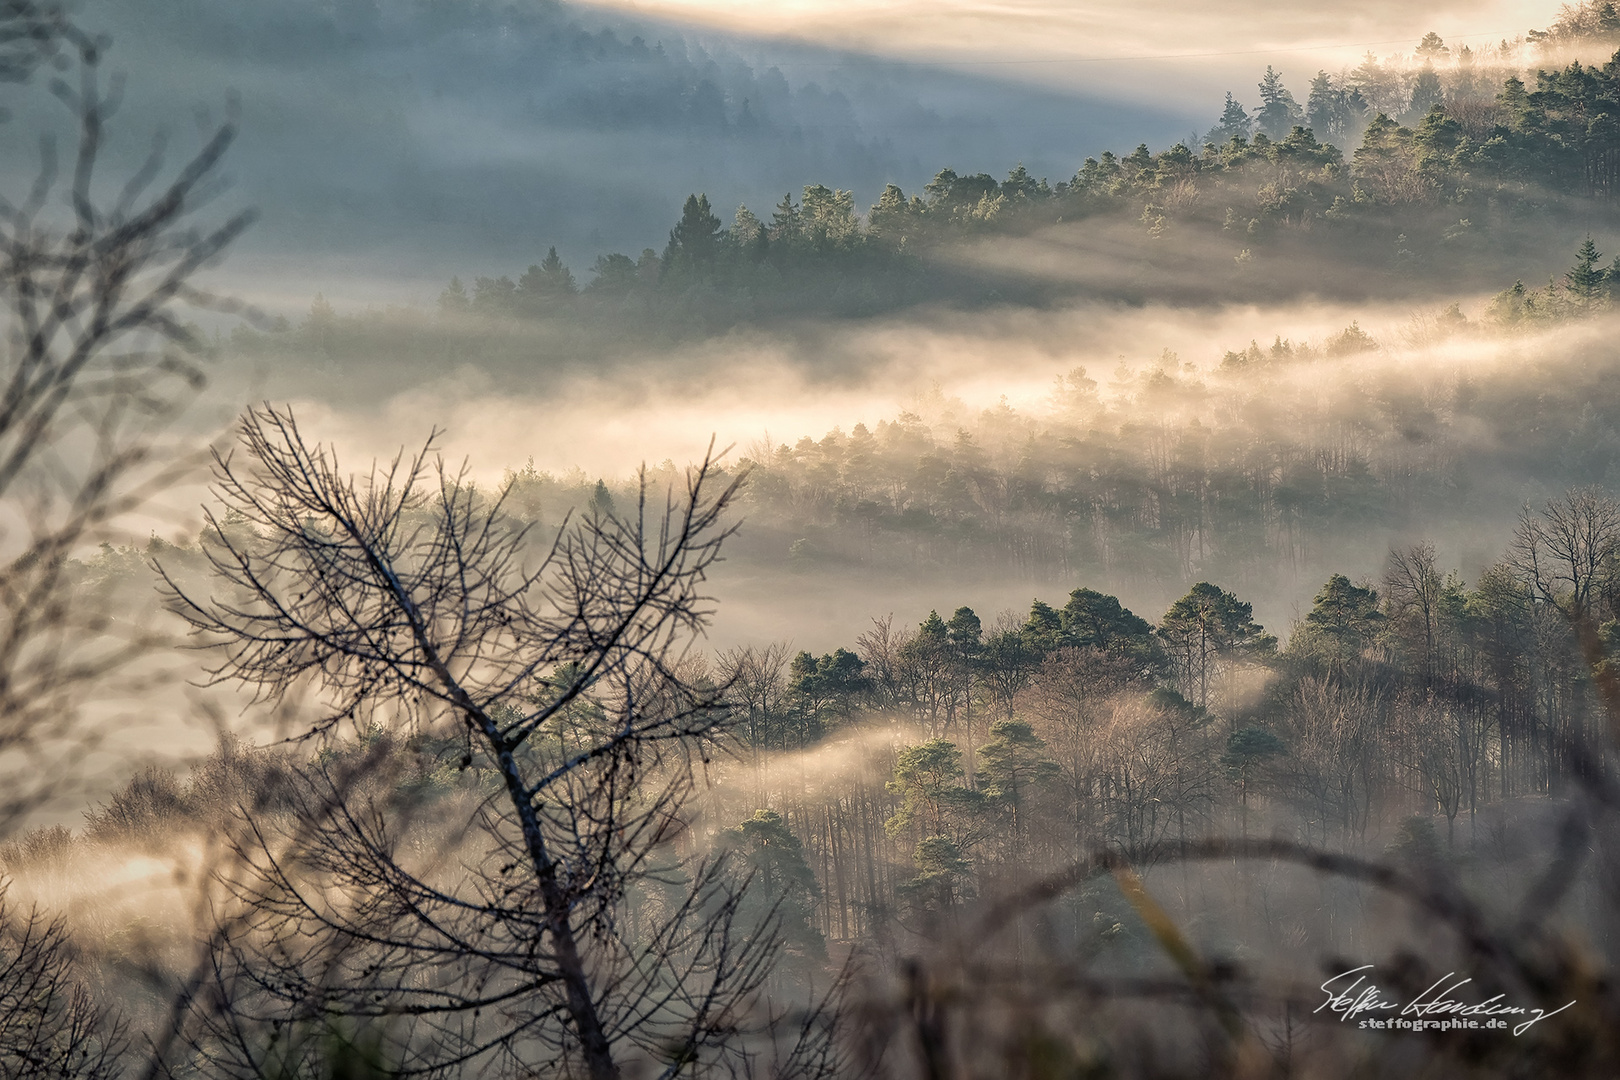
x=33, y=32
x=1413, y=586
x=97, y=362
x=577, y=926
x=1567, y=553
x=1339, y=753
x=881, y=649
x=50, y=1024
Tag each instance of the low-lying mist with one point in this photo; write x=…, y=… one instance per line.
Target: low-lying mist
x=1426, y=401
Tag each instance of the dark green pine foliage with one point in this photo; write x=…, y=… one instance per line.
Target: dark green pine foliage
x=1014, y=767
x=1426, y=93
x=549, y=285
x=1205, y=631
x=1279, y=112
x=1327, y=109
x=1586, y=282
x=1344, y=620
x=694, y=242
x=1092, y=620
x=965, y=632
x=825, y=690
x=1043, y=630
x=780, y=882
x=1233, y=124
x=614, y=275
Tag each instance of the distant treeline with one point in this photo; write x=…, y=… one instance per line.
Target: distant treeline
x=1234, y=467
x=1224, y=465
x=1086, y=724
x=1443, y=177
x=986, y=751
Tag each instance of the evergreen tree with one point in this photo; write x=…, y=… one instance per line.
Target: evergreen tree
x=494, y=296
x=454, y=300
x=747, y=235
x=601, y=500
x=828, y=218
x=615, y=275
x=1344, y=620
x=928, y=778
x=786, y=222
x=1585, y=282
x=1043, y=630
x=1247, y=751
x=1093, y=620
x=1279, y=112
x=965, y=632
x=1020, y=185
x=1608, y=20
x=891, y=217
x=942, y=875
x=694, y=242
x=1014, y=766
x=1327, y=109
x=781, y=884
x=1205, y=630
x=548, y=284
x=1426, y=94
x=825, y=689
x=1432, y=47
x=1233, y=124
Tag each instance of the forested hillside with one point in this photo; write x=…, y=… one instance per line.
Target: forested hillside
x=1156, y=620
x=1385, y=183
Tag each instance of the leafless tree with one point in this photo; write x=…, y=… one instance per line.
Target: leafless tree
x=576, y=927
x=97, y=362
x=1567, y=553
x=1337, y=767
x=1413, y=586
x=33, y=32
x=51, y=1026
x=757, y=677
x=881, y=649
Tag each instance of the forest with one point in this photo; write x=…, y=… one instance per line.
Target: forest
x=1453, y=169
x=1190, y=651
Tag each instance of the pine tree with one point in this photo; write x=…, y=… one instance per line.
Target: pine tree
x=1234, y=123
x=1343, y=622
x=1327, y=110
x=1204, y=630
x=694, y=242
x=1432, y=46
x=1585, y=281
x=1426, y=93
x=782, y=889
x=1608, y=20
x=454, y=300
x=1279, y=112
x=787, y=221
x=891, y=216
x=615, y=273
x=746, y=229
x=549, y=282
x=1016, y=765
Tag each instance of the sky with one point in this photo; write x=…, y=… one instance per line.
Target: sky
x=1164, y=51
x=391, y=145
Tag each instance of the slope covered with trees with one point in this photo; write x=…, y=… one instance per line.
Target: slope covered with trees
x=513, y=813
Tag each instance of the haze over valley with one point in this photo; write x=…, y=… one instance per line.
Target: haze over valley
x=825, y=539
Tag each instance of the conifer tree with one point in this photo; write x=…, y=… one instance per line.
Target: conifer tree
x=1234, y=123
x=1279, y=112
x=1585, y=281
